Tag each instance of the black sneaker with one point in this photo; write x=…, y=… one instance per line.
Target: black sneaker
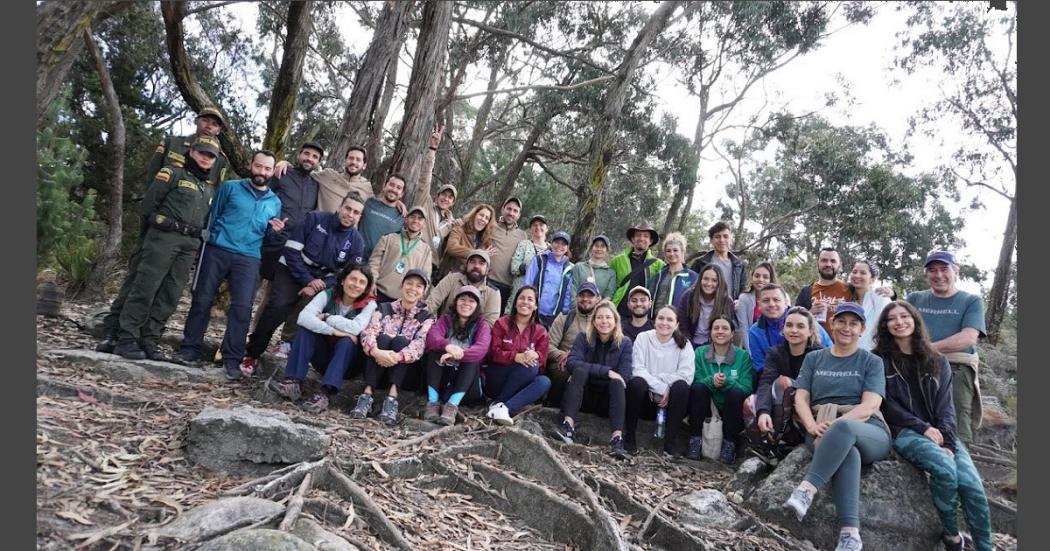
x=616, y=448
x=630, y=446
x=389, y=413
x=233, y=371
x=130, y=350
x=153, y=351
x=183, y=357
x=106, y=345
x=695, y=445
x=566, y=432
x=363, y=407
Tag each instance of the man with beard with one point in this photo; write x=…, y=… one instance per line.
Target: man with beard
x=636, y=265
x=826, y=293
x=334, y=185
x=639, y=304
x=176, y=206
x=298, y=194
x=475, y=272
x=562, y=336
x=241, y=214
x=398, y=253
x=381, y=215
x=505, y=238
x=314, y=253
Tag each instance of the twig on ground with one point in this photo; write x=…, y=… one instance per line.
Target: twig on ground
x=295, y=505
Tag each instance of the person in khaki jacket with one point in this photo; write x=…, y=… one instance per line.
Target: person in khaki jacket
x=397, y=253
x=505, y=238
x=562, y=336
x=475, y=273
x=440, y=219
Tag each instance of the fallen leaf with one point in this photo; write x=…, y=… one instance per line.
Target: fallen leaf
x=86, y=397
x=75, y=517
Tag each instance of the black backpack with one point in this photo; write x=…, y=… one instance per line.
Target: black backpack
x=786, y=432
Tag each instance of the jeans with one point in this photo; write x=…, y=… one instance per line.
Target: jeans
x=284, y=296
x=581, y=381
x=395, y=374
x=515, y=385
x=639, y=404
x=332, y=358
x=847, y=445
x=952, y=479
x=242, y=273
x=701, y=398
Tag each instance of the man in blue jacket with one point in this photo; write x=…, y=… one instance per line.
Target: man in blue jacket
x=317, y=249
x=241, y=214
x=768, y=331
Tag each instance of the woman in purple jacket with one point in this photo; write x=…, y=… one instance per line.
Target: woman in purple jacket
x=456, y=345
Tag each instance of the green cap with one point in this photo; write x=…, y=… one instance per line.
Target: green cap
x=207, y=144
x=213, y=113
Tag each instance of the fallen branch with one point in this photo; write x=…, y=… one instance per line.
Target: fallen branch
x=425, y=437
x=994, y=460
x=350, y=491
x=289, y=479
x=295, y=505
x=640, y=535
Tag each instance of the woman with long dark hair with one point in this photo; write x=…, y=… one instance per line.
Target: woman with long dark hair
x=706, y=300
x=456, y=345
x=517, y=359
x=747, y=310
x=921, y=414
x=328, y=335
x=722, y=379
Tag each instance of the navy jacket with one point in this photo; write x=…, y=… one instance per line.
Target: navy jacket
x=298, y=194
x=319, y=247
x=935, y=401
x=618, y=358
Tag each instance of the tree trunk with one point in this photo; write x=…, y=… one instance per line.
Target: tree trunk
x=362, y=121
x=375, y=139
x=605, y=129
x=286, y=86
x=998, y=297
x=683, y=219
x=195, y=96
x=109, y=248
x=428, y=66
x=480, y=122
x=685, y=189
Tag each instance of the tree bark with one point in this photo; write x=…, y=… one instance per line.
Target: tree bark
x=480, y=122
x=109, y=248
x=362, y=121
x=375, y=139
x=603, y=141
x=289, y=78
x=998, y=297
x=683, y=218
x=423, y=86
x=685, y=189
x=195, y=96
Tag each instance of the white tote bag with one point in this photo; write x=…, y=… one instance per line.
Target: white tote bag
x=712, y=435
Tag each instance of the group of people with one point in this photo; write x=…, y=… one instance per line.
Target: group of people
x=476, y=310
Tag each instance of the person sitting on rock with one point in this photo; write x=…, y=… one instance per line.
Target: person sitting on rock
x=456, y=345
x=747, y=310
x=518, y=355
x=722, y=379
x=706, y=300
x=327, y=337
x=920, y=412
x=599, y=365
x=393, y=341
x=768, y=331
x=662, y=372
x=783, y=363
x=845, y=386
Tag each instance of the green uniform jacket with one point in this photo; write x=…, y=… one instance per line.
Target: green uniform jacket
x=173, y=151
x=736, y=367
x=621, y=264
x=177, y=193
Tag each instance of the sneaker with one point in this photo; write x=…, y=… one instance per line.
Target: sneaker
x=799, y=502
x=363, y=407
x=153, y=351
x=183, y=357
x=616, y=448
x=849, y=542
x=248, y=366
x=130, y=350
x=389, y=413
x=631, y=446
x=499, y=413
x=316, y=403
x=106, y=345
x=432, y=412
x=289, y=389
x=695, y=445
x=233, y=371
x=954, y=546
x=283, y=349
x=448, y=415
x=566, y=432
x=728, y=453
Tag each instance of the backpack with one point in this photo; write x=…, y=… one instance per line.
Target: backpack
x=786, y=432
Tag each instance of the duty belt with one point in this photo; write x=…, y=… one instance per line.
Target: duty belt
x=168, y=224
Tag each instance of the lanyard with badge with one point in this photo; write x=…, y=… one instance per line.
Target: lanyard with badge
x=400, y=268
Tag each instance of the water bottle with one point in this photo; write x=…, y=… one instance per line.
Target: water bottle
x=661, y=421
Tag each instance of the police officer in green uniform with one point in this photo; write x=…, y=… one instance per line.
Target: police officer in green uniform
x=176, y=206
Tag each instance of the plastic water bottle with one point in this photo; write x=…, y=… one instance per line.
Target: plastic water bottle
x=661, y=422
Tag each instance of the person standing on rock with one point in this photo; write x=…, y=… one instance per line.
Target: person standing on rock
x=595, y=270
x=722, y=380
x=474, y=233
x=549, y=273
x=919, y=410
x=327, y=337
x=703, y=302
x=845, y=386
x=456, y=346
x=333, y=185
x=442, y=297
x=397, y=253
x=528, y=249
x=674, y=278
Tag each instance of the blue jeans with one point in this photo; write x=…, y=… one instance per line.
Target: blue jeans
x=515, y=385
x=242, y=274
x=951, y=480
x=847, y=445
x=314, y=348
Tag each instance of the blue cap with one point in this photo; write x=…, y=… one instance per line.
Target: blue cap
x=940, y=256
x=589, y=287
x=561, y=235
x=601, y=237
x=849, y=308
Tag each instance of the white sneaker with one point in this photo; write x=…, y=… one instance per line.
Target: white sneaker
x=283, y=349
x=498, y=412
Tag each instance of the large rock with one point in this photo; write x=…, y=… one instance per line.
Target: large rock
x=246, y=440
x=315, y=534
x=257, y=540
x=896, y=510
x=123, y=370
x=747, y=477
x=218, y=517
x=706, y=509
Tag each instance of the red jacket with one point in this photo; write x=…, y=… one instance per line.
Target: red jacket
x=507, y=341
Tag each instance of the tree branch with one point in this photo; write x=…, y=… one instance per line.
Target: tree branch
x=553, y=176
x=555, y=87
x=209, y=6
x=972, y=183
x=530, y=42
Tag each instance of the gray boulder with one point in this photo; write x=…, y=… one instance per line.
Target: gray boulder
x=246, y=440
x=257, y=540
x=218, y=517
x=706, y=509
x=896, y=510
x=748, y=474
x=313, y=533
x=123, y=370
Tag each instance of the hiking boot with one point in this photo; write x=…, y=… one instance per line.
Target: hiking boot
x=799, y=502
x=499, y=413
x=248, y=366
x=153, y=351
x=566, y=432
x=233, y=371
x=849, y=542
x=316, y=403
x=728, y=453
x=130, y=350
x=289, y=389
x=432, y=412
x=363, y=407
x=695, y=444
x=389, y=413
x=106, y=345
x=183, y=357
x=448, y=414
x=954, y=546
x=616, y=448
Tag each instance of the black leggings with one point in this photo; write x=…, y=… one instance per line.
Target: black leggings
x=396, y=374
x=447, y=381
x=580, y=382
x=640, y=405
x=700, y=400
